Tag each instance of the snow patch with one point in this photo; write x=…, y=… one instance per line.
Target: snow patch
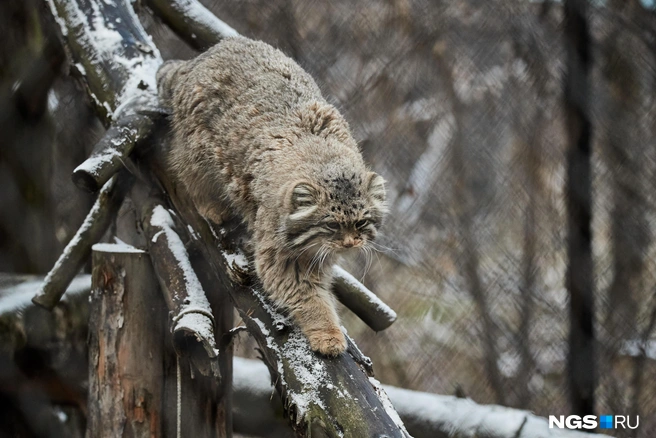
x=18, y=297
x=200, y=14
x=237, y=259
x=387, y=404
x=121, y=247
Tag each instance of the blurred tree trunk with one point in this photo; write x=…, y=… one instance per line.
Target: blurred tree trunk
x=581, y=359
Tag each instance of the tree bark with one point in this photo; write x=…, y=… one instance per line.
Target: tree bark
x=126, y=345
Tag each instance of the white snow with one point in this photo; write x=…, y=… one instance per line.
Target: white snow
x=310, y=371
x=635, y=348
x=387, y=404
x=251, y=375
x=237, y=259
x=105, y=43
x=117, y=248
x=61, y=415
x=200, y=14
x=17, y=298
x=371, y=297
x=53, y=100
x=96, y=161
x=193, y=233
x=60, y=21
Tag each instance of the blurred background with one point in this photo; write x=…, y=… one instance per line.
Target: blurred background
x=459, y=105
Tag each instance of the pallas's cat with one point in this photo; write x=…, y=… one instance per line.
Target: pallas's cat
x=252, y=134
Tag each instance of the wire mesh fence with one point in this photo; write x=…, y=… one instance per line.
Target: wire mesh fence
x=459, y=105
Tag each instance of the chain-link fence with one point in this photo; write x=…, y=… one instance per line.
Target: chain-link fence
x=459, y=105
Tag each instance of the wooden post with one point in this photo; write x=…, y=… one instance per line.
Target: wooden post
x=126, y=345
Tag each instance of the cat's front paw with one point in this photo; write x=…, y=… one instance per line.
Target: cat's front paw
x=329, y=342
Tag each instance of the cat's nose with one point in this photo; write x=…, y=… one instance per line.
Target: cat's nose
x=349, y=241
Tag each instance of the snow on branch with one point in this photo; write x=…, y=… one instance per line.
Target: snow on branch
x=192, y=322
x=192, y=21
x=78, y=250
x=17, y=291
x=110, y=51
x=112, y=151
x=361, y=301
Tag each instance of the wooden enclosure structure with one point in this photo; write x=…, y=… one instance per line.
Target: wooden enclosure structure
x=140, y=338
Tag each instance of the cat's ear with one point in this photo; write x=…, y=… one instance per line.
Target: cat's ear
x=304, y=195
x=376, y=187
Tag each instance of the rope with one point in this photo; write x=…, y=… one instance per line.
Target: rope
x=179, y=398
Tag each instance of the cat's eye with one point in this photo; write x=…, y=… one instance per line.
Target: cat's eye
x=361, y=224
x=332, y=226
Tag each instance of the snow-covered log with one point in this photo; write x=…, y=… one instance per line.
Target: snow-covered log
x=111, y=53
x=112, y=151
x=425, y=415
x=78, y=250
x=190, y=19
x=361, y=301
x=192, y=320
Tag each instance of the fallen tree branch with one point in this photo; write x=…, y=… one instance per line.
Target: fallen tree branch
x=112, y=151
x=361, y=301
x=192, y=21
x=192, y=322
x=78, y=250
